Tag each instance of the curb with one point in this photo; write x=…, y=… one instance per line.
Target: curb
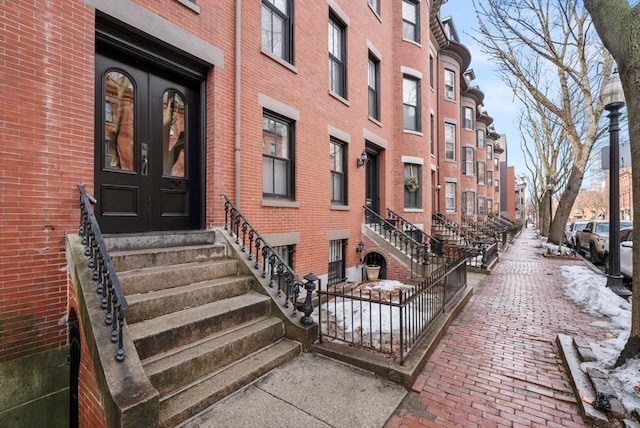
x=587, y=386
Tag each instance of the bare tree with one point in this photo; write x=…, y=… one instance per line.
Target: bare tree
x=618, y=24
x=547, y=54
x=594, y=203
x=541, y=133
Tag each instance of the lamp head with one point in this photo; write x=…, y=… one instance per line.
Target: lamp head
x=612, y=94
x=363, y=159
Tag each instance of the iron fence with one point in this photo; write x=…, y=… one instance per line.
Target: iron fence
x=387, y=316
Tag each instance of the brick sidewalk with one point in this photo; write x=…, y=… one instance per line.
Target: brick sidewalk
x=498, y=364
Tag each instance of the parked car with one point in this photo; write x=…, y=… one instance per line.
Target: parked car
x=570, y=233
x=594, y=239
x=626, y=250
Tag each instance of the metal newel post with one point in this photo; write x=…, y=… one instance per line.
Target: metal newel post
x=307, y=308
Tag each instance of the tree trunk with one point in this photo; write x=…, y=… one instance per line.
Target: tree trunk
x=543, y=214
x=563, y=211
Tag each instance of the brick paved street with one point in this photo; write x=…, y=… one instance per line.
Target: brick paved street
x=498, y=365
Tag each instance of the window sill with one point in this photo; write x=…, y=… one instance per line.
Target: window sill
x=413, y=210
x=413, y=42
x=191, y=5
x=280, y=61
x=281, y=203
x=408, y=131
x=336, y=207
x=339, y=98
x=376, y=121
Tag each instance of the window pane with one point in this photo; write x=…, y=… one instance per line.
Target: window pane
x=267, y=175
x=280, y=177
x=119, y=122
x=277, y=47
x=280, y=4
x=173, y=134
x=409, y=118
x=337, y=187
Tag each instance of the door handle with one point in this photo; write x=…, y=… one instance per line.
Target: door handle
x=145, y=161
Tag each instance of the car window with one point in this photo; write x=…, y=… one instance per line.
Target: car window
x=602, y=228
x=626, y=224
x=625, y=235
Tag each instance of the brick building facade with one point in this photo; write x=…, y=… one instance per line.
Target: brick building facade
x=161, y=107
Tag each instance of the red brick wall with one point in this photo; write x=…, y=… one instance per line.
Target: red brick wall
x=510, y=189
x=90, y=409
x=46, y=82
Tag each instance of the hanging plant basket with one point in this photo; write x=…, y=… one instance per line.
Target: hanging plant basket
x=412, y=184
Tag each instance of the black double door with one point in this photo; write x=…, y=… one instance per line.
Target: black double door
x=148, y=156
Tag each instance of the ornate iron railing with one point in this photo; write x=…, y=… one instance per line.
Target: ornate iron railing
x=435, y=245
x=482, y=239
x=269, y=264
x=107, y=284
x=390, y=321
x=455, y=231
x=426, y=256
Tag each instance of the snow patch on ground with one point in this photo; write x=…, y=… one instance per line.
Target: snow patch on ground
x=588, y=290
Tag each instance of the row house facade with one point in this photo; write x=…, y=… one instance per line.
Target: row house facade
x=304, y=114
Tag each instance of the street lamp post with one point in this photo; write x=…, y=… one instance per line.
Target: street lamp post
x=550, y=190
x=613, y=98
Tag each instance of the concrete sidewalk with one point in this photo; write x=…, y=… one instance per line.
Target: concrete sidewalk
x=311, y=391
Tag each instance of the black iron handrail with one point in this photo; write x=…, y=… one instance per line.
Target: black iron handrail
x=414, y=231
x=269, y=263
x=419, y=253
x=104, y=274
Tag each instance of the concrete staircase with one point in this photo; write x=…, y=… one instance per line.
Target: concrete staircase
x=200, y=330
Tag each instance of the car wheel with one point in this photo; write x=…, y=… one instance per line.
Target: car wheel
x=593, y=254
x=605, y=262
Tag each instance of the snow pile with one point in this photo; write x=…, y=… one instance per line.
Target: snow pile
x=588, y=290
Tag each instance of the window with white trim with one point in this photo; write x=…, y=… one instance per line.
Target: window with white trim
x=449, y=141
x=411, y=103
x=482, y=172
x=412, y=186
x=480, y=138
x=481, y=206
x=411, y=20
x=468, y=118
x=449, y=85
x=468, y=161
x=450, y=197
x=468, y=202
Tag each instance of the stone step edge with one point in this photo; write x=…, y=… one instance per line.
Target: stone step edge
x=224, y=382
